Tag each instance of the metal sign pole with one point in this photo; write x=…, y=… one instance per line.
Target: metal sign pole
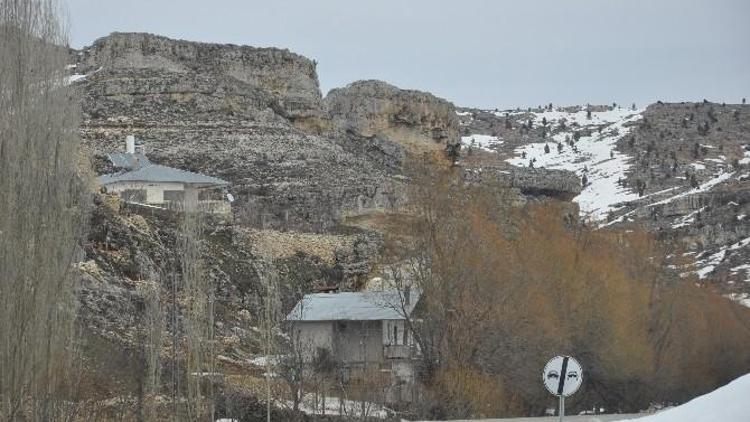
x=562, y=376
x=562, y=408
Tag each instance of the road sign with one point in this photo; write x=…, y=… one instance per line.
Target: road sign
x=563, y=375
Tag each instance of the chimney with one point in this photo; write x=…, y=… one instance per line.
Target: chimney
x=407, y=295
x=130, y=144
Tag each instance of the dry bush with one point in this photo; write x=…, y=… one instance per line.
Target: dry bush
x=505, y=288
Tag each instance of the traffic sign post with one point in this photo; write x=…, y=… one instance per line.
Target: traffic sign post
x=562, y=376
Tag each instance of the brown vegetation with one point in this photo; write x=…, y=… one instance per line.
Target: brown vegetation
x=507, y=288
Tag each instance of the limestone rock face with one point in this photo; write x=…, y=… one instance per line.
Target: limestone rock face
x=375, y=107
x=290, y=79
x=558, y=184
x=239, y=113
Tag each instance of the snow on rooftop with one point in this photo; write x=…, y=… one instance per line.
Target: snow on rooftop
x=726, y=404
x=596, y=156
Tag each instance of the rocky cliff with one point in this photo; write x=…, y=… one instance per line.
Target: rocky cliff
x=413, y=118
x=289, y=80
x=239, y=113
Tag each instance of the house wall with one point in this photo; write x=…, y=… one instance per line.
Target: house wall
x=191, y=197
x=312, y=335
x=394, y=333
x=360, y=346
x=154, y=191
x=359, y=341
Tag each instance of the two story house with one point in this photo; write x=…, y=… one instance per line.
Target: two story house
x=361, y=331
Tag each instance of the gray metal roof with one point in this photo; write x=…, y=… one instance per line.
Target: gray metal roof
x=353, y=306
x=159, y=173
x=127, y=160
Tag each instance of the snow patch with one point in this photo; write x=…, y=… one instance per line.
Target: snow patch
x=596, y=157
x=483, y=142
x=726, y=404
x=74, y=78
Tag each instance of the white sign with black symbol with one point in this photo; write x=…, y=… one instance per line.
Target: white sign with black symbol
x=563, y=376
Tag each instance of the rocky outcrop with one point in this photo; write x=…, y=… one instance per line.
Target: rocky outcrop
x=227, y=111
x=290, y=80
x=558, y=184
x=406, y=116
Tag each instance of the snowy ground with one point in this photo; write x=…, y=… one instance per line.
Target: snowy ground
x=483, y=142
x=726, y=404
x=334, y=406
x=575, y=418
x=594, y=156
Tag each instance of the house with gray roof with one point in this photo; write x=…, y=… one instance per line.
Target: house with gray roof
x=362, y=332
x=138, y=180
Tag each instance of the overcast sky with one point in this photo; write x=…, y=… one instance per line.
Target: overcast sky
x=478, y=53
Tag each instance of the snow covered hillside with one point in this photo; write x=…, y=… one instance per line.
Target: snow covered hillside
x=681, y=170
x=726, y=404
x=592, y=157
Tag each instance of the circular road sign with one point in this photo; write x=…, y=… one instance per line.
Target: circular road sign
x=562, y=375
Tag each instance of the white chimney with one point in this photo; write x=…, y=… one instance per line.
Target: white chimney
x=130, y=144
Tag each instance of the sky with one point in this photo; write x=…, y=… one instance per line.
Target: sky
x=475, y=53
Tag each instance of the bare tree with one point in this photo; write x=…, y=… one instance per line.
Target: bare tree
x=197, y=301
x=42, y=211
x=152, y=329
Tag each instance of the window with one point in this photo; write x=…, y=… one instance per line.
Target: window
x=174, y=195
x=134, y=195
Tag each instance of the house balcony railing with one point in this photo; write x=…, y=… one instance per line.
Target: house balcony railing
x=399, y=351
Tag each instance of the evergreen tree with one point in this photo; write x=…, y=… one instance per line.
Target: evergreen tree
x=546, y=148
x=453, y=151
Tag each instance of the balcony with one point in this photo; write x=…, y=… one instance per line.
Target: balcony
x=398, y=351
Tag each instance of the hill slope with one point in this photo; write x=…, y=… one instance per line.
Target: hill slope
x=659, y=167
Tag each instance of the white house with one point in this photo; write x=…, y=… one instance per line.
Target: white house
x=360, y=331
x=142, y=182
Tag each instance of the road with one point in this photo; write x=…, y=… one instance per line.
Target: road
x=572, y=418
